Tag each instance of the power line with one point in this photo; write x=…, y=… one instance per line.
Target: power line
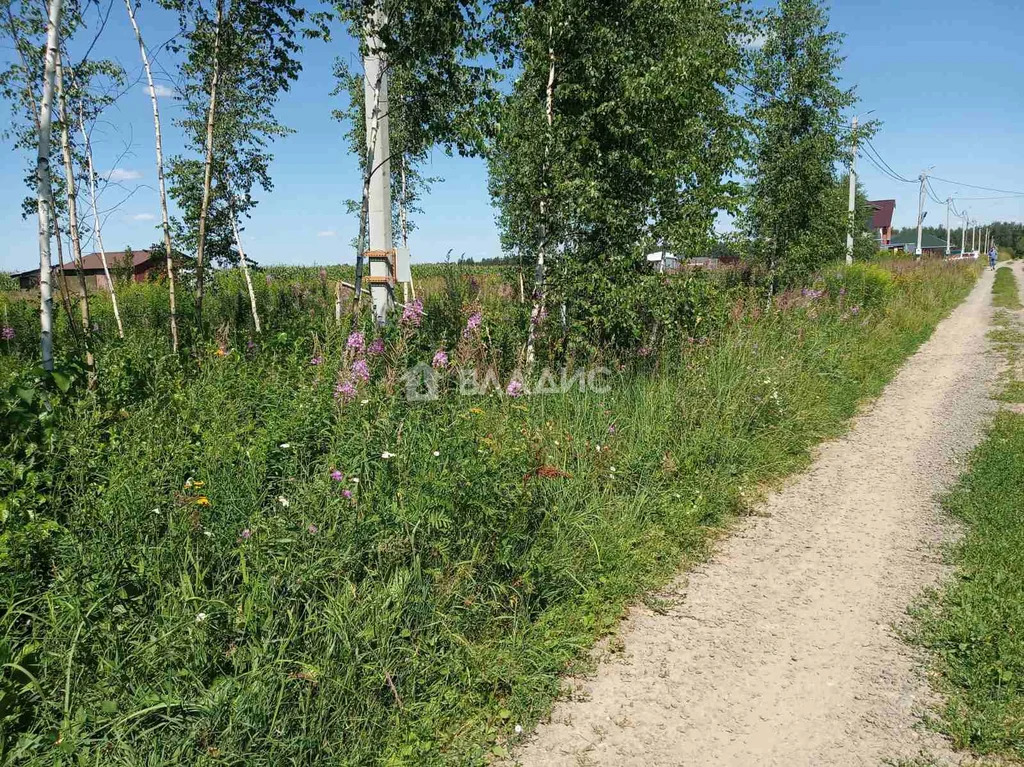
x=887, y=165
x=975, y=186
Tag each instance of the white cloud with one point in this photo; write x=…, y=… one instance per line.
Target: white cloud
x=162, y=90
x=326, y=233
x=754, y=42
x=143, y=217
x=123, y=174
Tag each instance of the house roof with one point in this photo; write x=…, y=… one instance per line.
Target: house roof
x=882, y=217
x=114, y=258
x=927, y=240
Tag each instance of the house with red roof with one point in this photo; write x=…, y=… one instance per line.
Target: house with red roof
x=881, y=220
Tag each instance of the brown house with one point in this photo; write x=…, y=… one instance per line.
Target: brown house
x=143, y=263
x=881, y=220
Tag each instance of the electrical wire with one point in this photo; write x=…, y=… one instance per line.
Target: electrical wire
x=892, y=172
x=1012, y=192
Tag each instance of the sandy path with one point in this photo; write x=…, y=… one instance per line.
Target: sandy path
x=781, y=651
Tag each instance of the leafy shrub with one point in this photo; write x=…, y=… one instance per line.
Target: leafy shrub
x=864, y=285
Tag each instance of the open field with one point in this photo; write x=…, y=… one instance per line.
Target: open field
x=214, y=560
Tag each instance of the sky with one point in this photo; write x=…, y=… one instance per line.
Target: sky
x=942, y=76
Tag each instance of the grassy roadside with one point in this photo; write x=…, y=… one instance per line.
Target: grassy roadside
x=975, y=627
x=217, y=596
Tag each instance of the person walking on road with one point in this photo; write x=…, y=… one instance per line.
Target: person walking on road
x=992, y=256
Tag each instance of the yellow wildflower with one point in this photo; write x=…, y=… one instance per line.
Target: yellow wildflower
x=202, y=501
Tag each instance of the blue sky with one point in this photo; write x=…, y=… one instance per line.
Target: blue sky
x=943, y=76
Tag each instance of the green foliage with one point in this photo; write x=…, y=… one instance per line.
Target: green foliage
x=863, y=285
x=204, y=619
x=643, y=138
x=796, y=217
x=7, y=282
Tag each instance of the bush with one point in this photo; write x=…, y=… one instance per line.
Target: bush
x=863, y=285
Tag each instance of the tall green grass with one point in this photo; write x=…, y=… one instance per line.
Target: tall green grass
x=215, y=597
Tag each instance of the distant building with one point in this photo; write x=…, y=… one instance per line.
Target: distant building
x=144, y=262
x=881, y=220
x=930, y=244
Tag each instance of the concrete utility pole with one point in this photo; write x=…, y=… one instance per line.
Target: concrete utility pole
x=963, y=234
x=974, y=236
x=381, y=238
x=949, y=201
x=920, y=214
x=853, y=197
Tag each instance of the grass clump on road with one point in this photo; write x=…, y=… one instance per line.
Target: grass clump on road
x=1004, y=290
x=976, y=628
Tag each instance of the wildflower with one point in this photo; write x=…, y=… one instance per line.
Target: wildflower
x=284, y=445
x=514, y=388
x=246, y=534
x=855, y=310
x=312, y=529
x=377, y=347
x=346, y=493
x=361, y=370
x=474, y=320
x=519, y=729
x=337, y=476
x=440, y=359
x=156, y=511
x=386, y=455
x=356, y=340
x=644, y=351
x=611, y=428
x=7, y=333
x=200, y=617
x=364, y=402
x=207, y=533
x=355, y=480
x=221, y=352
x=202, y=501
x=413, y=313
x=317, y=360
x=283, y=501
x=250, y=344
x=345, y=390
x=437, y=453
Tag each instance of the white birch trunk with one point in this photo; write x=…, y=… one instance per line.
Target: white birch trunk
x=538, y=290
x=72, y=194
x=96, y=220
x=207, y=170
x=44, y=192
x=159, y=174
x=245, y=271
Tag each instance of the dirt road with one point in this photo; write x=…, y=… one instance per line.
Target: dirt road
x=781, y=650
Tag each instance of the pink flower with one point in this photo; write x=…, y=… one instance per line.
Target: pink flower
x=337, y=476
x=246, y=534
x=514, y=388
x=317, y=360
x=377, y=347
x=361, y=370
x=356, y=340
x=345, y=390
x=440, y=359
x=413, y=313
x=611, y=428
x=346, y=493
x=7, y=333
x=312, y=529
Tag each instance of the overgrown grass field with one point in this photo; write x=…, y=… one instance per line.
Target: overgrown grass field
x=216, y=561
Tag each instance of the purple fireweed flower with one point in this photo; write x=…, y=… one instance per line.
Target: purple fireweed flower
x=514, y=388
x=246, y=534
x=7, y=333
x=361, y=370
x=356, y=340
x=413, y=313
x=440, y=359
x=337, y=476
x=345, y=390
x=377, y=347
x=474, y=320
x=312, y=529
x=317, y=360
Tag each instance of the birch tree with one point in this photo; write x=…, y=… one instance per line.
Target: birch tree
x=238, y=60
x=44, y=193
x=165, y=219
